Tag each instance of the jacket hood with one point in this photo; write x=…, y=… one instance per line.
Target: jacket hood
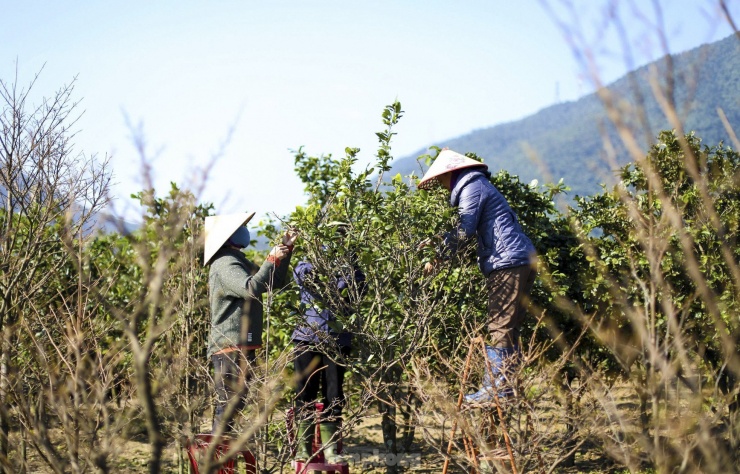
x=463, y=178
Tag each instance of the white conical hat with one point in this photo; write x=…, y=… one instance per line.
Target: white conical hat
x=219, y=229
x=447, y=161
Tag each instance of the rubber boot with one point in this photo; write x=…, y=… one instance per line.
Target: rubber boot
x=502, y=362
x=304, y=441
x=329, y=439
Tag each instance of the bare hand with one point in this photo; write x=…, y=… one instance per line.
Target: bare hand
x=290, y=237
x=279, y=251
x=424, y=243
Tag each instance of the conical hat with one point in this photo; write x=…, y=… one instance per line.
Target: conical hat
x=447, y=161
x=219, y=229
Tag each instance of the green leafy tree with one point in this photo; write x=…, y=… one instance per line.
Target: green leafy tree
x=411, y=328
x=664, y=284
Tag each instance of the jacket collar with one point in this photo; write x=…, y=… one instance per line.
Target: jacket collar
x=226, y=250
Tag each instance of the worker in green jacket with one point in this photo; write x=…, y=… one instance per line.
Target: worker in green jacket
x=235, y=289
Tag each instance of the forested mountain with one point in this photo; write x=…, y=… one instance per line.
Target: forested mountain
x=568, y=138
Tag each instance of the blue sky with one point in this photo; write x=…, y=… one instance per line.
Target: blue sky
x=285, y=74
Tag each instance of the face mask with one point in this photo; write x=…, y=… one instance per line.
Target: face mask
x=240, y=238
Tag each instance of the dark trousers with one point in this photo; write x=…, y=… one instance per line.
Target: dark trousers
x=316, y=369
x=232, y=370
x=508, y=290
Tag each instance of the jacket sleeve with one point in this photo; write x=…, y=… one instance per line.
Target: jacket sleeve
x=471, y=197
x=301, y=271
x=360, y=278
x=303, y=276
x=356, y=278
x=280, y=278
x=237, y=281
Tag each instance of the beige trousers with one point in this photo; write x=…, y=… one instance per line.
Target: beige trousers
x=508, y=291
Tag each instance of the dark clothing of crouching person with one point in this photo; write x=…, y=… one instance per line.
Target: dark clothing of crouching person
x=235, y=289
x=506, y=256
x=321, y=350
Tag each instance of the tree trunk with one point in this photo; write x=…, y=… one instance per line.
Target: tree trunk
x=409, y=428
x=4, y=405
x=388, y=425
x=570, y=428
x=643, y=395
x=180, y=464
x=728, y=386
x=154, y=432
x=24, y=453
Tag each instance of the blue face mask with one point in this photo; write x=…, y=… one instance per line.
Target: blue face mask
x=240, y=238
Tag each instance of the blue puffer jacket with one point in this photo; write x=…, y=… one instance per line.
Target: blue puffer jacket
x=485, y=212
x=320, y=321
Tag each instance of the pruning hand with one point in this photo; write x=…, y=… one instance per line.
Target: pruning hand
x=279, y=251
x=424, y=243
x=290, y=237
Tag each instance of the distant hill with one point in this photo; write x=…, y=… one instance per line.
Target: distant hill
x=568, y=138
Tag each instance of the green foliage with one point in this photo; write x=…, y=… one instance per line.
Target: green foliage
x=406, y=317
x=646, y=235
x=648, y=267
x=621, y=275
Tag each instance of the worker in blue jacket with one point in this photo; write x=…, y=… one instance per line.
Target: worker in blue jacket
x=322, y=346
x=506, y=257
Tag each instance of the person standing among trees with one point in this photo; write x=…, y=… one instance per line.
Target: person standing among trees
x=235, y=288
x=506, y=256
x=321, y=349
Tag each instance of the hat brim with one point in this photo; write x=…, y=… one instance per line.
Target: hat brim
x=447, y=161
x=218, y=229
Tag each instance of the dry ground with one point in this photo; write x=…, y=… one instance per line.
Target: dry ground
x=365, y=445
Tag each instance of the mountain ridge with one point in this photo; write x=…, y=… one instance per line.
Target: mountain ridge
x=566, y=140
